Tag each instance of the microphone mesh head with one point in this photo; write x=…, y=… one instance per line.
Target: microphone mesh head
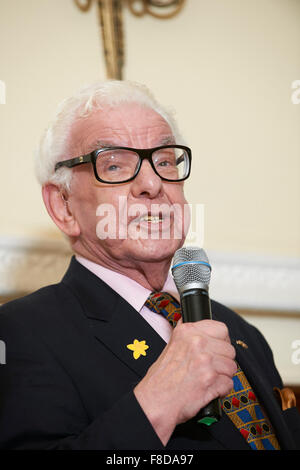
x=187, y=267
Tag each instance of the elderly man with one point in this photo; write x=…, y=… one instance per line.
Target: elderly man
x=92, y=362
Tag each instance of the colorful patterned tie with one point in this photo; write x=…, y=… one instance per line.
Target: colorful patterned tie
x=241, y=404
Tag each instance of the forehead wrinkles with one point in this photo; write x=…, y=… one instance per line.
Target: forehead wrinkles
x=139, y=137
x=148, y=131
x=119, y=127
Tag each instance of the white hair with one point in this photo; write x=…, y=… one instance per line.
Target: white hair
x=54, y=143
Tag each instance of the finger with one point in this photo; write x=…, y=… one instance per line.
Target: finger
x=224, y=366
x=220, y=348
x=212, y=328
x=223, y=386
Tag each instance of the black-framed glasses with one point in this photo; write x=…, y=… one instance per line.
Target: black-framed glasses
x=121, y=164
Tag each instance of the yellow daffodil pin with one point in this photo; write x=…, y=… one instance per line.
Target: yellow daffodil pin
x=138, y=348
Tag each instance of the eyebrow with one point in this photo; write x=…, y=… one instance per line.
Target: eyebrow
x=100, y=143
x=169, y=140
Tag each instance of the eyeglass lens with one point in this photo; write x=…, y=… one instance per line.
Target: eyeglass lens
x=117, y=165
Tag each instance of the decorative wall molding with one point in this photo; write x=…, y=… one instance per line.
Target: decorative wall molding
x=28, y=264
x=240, y=281
x=254, y=282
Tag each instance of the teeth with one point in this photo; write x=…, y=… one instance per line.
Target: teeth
x=151, y=218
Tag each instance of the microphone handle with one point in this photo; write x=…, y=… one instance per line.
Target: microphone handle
x=195, y=306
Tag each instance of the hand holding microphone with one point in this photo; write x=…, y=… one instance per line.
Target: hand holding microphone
x=191, y=271
x=197, y=365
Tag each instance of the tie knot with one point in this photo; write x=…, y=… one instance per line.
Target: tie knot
x=164, y=304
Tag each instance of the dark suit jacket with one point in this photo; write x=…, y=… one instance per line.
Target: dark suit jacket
x=69, y=377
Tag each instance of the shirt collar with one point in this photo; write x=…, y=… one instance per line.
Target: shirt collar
x=133, y=292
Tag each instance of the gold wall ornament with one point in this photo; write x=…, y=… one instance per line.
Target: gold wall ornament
x=111, y=22
x=154, y=7
x=84, y=5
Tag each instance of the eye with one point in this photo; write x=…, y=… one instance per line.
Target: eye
x=165, y=159
x=113, y=167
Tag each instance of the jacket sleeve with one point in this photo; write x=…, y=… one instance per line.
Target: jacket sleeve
x=40, y=407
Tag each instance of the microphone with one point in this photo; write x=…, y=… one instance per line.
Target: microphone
x=191, y=272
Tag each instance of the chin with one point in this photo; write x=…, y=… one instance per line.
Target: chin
x=154, y=250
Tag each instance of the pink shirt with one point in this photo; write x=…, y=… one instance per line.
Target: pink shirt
x=135, y=294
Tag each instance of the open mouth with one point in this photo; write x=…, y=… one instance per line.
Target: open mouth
x=163, y=223
x=154, y=219
x=152, y=222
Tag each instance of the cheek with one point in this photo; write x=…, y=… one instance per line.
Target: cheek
x=85, y=213
x=181, y=210
x=109, y=213
x=176, y=195
x=85, y=198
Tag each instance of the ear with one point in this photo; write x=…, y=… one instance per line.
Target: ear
x=57, y=204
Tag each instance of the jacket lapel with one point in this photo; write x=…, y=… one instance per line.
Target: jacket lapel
x=224, y=431
x=113, y=321
x=265, y=394
x=126, y=327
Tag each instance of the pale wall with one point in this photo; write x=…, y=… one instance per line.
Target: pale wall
x=226, y=67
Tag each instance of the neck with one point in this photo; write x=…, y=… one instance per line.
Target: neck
x=151, y=275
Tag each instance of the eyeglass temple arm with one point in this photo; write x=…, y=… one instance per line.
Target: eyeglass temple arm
x=180, y=159
x=74, y=161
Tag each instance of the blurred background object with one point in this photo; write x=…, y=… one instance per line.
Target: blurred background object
x=111, y=21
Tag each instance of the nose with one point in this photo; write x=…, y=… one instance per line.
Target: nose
x=147, y=183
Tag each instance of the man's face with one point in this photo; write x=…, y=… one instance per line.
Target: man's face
x=146, y=239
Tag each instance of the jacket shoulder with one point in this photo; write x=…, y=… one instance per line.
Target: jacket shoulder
x=223, y=313
x=241, y=329
x=34, y=307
